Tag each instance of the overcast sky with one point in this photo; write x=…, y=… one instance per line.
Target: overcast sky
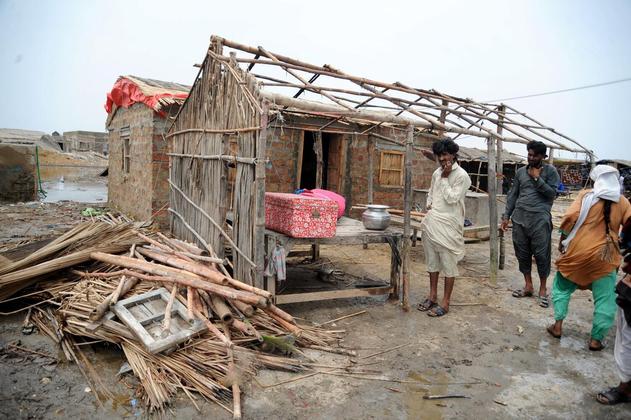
x=58, y=59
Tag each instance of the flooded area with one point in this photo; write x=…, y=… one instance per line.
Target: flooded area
x=89, y=191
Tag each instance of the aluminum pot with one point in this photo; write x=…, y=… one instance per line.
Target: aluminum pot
x=376, y=217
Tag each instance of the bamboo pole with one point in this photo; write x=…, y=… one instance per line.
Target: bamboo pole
x=166, y=325
x=500, y=156
x=211, y=220
x=225, y=158
x=259, y=218
x=407, y=207
x=221, y=309
x=244, y=308
x=179, y=276
x=335, y=111
x=213, y=131
x=302, y=79
x=492, y=187
x=201, y=270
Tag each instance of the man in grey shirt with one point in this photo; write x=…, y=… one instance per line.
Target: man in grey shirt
x=528, y=204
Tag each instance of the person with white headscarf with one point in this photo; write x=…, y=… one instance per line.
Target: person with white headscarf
x=589, y=252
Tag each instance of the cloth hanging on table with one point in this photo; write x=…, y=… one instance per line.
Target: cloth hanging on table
x=276, y=264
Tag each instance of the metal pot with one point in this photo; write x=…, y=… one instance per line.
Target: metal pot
x=376, y=217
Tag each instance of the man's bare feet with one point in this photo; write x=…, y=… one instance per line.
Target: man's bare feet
x=555, y=330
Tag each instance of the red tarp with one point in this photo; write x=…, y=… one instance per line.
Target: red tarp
x=125, y=93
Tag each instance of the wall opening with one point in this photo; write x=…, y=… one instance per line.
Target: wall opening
x=332, y=161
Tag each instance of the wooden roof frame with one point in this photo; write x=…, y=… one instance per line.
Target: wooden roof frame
x=374, y=103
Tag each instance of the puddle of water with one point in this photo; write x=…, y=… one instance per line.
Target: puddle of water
x=416, y=407
x=81, y=192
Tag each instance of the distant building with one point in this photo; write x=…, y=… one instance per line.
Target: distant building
x=139, y=112
x=84, y=141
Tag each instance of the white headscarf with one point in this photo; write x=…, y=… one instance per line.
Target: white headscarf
x=606, y=186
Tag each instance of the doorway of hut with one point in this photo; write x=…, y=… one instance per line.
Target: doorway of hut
x=332, y=162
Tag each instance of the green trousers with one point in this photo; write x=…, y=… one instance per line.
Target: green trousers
x=604, y=294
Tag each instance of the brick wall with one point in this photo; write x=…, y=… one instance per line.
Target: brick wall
x=144, y=189
x=388, y=195
x=283, y=150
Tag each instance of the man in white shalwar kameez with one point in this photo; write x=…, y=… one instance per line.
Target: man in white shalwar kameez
x=443, y=226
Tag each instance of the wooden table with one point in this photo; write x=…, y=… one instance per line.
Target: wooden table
x=349, y=232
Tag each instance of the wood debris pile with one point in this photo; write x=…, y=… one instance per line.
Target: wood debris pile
x=78, y=278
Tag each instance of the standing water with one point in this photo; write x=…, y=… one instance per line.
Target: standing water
x=92, y=191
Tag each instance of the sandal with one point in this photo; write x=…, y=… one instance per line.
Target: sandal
x=596, y=348
x=521, y=293
x=544, y=302
x=437, y=311
x=426, y=305
x=612, y=396
x=550, y=331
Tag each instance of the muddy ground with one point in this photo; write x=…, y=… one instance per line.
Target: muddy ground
x=491, y=347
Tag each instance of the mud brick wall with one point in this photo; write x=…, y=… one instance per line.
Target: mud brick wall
x=160, y=172
x=144, y=189
x=388, y=195
x=281, y=174
x=18, y=173
x=282, y=152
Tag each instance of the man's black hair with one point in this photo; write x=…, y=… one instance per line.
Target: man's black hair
x=538, y=147
x=440, y=147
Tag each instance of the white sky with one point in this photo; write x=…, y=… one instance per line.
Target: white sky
x=58, y=59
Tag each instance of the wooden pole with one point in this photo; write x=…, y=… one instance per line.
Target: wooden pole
x=492, y=187
x=407, y=207
x=259, y=177
x=551, y=156
x=500, y=146
x=371, y=167
x=317, y=148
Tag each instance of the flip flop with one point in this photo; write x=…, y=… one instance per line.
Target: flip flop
x=597, y=348
x=552, y=333
x=544, y=302
x=426, y=305
x=521, y=293
x=437, y=311
x=612, y=396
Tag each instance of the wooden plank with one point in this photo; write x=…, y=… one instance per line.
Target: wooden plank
x=333, y=294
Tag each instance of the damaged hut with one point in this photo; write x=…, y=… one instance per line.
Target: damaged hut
x=257, y=121
x=138, y=112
